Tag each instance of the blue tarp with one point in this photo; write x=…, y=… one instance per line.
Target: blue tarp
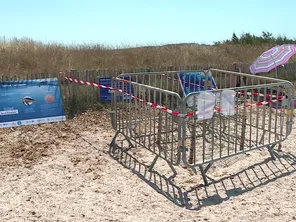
x=195, y=82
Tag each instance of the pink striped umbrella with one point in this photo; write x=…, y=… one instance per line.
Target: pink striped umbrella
x=274, y=57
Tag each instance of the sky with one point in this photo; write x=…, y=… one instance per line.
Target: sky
x=140, y=22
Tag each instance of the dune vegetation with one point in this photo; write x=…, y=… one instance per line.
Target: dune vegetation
x=25, y=56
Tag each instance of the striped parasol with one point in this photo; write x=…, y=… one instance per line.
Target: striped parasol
x=273, y=58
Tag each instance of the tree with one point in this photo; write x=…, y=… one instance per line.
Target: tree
x=247, y=39
x=251, y=39
x=267, y=37
x=234, y=39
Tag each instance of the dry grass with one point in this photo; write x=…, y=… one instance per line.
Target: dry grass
x=25, y=56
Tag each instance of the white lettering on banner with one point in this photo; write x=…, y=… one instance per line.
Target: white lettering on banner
x=33, y=121
x=13, y=85
x=8, y=112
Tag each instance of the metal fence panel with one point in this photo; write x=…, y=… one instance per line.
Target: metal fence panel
x=159, y=118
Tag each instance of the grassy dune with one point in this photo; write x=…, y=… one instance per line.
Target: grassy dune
x=25, y=56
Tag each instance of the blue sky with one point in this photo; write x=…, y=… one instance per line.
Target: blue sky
x=136, y=22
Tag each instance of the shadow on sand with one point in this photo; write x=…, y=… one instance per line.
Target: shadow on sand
x=221, y=190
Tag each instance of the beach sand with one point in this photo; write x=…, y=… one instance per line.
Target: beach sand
x=63, y=172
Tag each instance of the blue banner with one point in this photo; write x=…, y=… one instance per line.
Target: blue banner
x=105, y=94
x=195, y=82
x=28, y=102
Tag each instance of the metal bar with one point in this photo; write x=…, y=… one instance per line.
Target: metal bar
x=243, y=133
x=248, y=75
x=153, y=163
x=271, y=152
x=203, y=173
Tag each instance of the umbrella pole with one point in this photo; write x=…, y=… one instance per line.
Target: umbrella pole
x=276, y=72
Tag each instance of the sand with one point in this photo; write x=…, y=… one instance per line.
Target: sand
x=63, y=172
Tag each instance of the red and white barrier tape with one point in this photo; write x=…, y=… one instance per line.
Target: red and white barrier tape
x=163, y=108
x=267, y=96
